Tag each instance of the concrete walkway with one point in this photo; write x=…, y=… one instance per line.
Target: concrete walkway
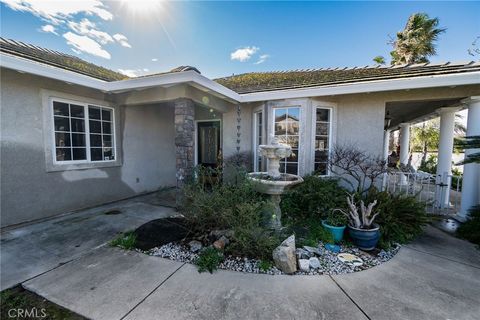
x=33, y=249
x=436, y=277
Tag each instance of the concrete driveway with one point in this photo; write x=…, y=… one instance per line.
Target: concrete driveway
x=436, y=277
x=28, y=251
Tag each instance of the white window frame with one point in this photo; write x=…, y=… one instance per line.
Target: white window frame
x=314, y=134
x=255, y=135
x=301, y=148
x=87, y=132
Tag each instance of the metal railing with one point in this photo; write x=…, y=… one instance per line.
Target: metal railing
x=441, y=194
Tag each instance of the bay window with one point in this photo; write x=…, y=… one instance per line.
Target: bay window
x=287, y=131
x=322, y=142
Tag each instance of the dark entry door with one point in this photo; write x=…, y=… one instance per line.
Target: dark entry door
x=209, y=148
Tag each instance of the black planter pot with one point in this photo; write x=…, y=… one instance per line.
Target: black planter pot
x=365, y=239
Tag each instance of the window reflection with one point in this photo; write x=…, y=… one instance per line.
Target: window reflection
x=287, y=130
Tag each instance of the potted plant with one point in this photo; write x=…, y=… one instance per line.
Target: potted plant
x=364, y=233
x=335, y=223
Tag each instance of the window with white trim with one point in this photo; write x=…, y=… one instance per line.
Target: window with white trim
x=322, y=140
x=258, y=161
x=83, y=132
x=287, y=130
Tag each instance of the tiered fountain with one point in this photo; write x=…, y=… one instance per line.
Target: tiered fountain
x=273, y=182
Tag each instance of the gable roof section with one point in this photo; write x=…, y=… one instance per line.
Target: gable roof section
x=283, y=80
x=58, y=59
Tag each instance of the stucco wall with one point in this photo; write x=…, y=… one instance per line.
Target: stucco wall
x=29, y=192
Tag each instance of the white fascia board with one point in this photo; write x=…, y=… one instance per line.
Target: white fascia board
x=172, y=79
x=48, y=71
x=168, y=79
x=368, y=87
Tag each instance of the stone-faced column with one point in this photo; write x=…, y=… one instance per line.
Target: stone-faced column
x=184, y=139
x=471, y=171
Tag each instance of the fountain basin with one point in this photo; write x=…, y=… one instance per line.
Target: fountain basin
x=264, y=183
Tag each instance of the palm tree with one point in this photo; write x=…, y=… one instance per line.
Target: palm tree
x=417, y=41
x=379, y=60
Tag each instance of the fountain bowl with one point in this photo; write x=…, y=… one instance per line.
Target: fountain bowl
x=264, y=183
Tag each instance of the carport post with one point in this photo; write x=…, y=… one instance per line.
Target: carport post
x=445, y=150
x=471, y=171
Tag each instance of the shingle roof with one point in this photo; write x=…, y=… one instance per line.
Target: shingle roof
x=58, y=59
x=268, y=81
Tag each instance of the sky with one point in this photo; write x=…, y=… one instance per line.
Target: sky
x=222, y=38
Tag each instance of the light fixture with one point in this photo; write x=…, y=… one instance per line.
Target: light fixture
x=388, y=120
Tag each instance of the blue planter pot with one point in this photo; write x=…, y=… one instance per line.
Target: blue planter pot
x=337, y=232
x=365, y=239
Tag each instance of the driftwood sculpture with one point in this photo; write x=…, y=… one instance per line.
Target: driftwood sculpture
x=359, y=217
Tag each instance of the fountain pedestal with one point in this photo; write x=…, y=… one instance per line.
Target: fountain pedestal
x=273, y=182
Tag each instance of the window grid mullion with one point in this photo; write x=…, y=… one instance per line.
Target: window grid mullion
x=87, y=132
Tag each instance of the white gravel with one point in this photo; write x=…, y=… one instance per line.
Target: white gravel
x=329, y=263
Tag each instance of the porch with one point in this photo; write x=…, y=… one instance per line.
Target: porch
x=440, y=192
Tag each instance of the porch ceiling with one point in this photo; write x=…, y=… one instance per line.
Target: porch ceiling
x=416, y=111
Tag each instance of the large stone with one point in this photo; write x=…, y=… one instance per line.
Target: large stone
x=284, y=255
x=314, y=263
x=195, y=246
x=304, y=265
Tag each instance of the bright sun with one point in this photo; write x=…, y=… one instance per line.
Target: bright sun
x=142, y=7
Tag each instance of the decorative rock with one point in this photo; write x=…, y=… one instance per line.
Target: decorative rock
x=220, y=243
x=314, y=263
x=304, y=265
x=302, y=254
x=312, y=250
x=284, y=255
x=195, y=245
x=217, y=234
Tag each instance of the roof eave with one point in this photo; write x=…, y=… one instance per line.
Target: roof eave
x=444, y=80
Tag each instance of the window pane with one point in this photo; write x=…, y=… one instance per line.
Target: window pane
x=321, y=168
x=321, y=143
x=292, y=141
x=292, y=127
x=107, y=141
x=93, y=113
x=321, y=156
x=63, y=154
x=95, y=126
x=79, y=153
x=95, y=140
x=62, y=139
x=108, y=154
x=282, y=167
x=78, y=125
x=106, y=115
x=96, y=154
x=106, y=127
x=322, y=128
x=77, y=111
x=292, y=168
x=280, y=114
x=78, y=140
x=62, y=124
x=294, y=156
x=60, y=109
x=294, y=114
x=323, y=115
x=280, y=128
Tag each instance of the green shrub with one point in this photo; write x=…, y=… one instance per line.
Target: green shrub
x=126, y=241
x=470, y=229
x=265, y=265
x=430, y=165
x=335, y=219
x=401, y=218
x=312, y=199
x=234, y=206
x=209, y=260
x=309, y=232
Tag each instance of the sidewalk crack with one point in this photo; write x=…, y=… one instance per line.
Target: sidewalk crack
x=351, y=299
x=151, y=292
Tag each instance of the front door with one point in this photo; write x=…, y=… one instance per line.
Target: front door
x=209, y=151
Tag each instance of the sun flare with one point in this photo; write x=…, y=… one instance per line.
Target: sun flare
x=142, y=7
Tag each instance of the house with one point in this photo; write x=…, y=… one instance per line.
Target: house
x=74, y=134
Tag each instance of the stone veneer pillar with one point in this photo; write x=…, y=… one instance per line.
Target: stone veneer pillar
x=184, y=139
